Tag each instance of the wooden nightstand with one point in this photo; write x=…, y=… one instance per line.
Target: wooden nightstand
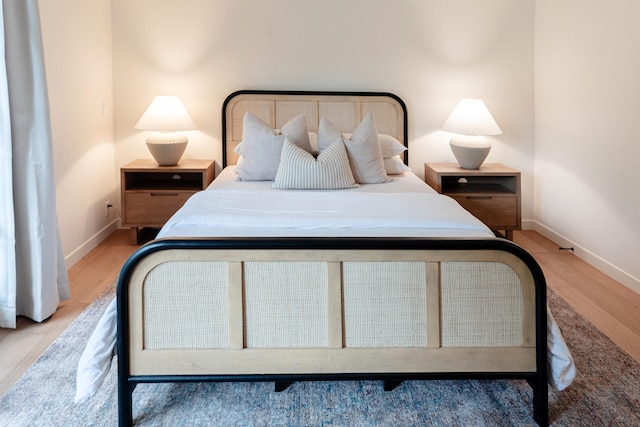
x=491, y=193
x=151, y=193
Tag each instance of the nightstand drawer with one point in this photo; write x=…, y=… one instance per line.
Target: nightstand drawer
x=495, y=211
x=152, y=208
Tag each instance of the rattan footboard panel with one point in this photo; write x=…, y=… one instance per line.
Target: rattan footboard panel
x=182, y=300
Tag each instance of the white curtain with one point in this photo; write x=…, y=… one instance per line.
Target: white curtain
x=32, y=270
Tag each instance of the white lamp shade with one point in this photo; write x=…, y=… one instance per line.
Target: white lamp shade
x=471, y=117
x=166, y=114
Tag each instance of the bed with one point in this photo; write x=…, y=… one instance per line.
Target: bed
x=270, y=280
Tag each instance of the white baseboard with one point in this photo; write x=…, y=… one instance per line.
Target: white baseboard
x=587, y=256
x=93, y=241
x=527, y=224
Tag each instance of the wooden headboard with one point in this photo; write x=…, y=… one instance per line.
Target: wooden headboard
x=344, y=109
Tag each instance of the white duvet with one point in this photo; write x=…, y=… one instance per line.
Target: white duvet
x=228, y=208
x=404, y=207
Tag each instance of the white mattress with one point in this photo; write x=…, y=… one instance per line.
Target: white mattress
x=404, y=207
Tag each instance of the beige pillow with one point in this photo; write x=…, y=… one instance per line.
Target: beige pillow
x=261, y=146
x=313, y=139
x=390, y=146
x=299, y=170
x=394, y=165
x=363, y=148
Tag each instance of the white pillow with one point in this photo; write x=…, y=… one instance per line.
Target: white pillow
x=238, y=162
x=299, y=170
x=313, y=140
x=327, y=134
x=261, y=146
x=394, y=165
x=390, y=146
x=365, y=155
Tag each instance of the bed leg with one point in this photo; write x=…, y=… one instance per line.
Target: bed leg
x=125, y=405
x=281, y=385
x=540, y=401
x=391, y=385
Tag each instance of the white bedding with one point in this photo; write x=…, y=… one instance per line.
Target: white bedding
x=229, y=208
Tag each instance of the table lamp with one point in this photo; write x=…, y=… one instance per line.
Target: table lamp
x=166, y=116
x=471, y=121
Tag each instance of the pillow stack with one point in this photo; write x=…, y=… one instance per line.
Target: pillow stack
x=365, y=155
x=261, y=146
x=344, y=160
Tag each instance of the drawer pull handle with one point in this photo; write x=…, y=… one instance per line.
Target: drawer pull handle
x=479, y=197
x=164, y=194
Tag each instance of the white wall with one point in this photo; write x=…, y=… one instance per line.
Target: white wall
x=587, y=102
x=429, y=52
x=77, y=44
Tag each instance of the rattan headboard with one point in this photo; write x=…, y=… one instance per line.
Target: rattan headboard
x=344, y=109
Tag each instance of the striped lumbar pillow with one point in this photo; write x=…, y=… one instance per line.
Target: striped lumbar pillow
x=299, y=170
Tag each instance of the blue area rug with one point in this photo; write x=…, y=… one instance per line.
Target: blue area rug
x=605, y=393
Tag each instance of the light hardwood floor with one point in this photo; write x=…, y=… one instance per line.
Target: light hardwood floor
x=610, y=306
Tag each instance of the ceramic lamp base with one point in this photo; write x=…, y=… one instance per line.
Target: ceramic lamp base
x=167, y=147
x=470, y=151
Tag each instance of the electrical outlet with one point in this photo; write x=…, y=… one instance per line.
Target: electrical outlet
x=107, y=205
